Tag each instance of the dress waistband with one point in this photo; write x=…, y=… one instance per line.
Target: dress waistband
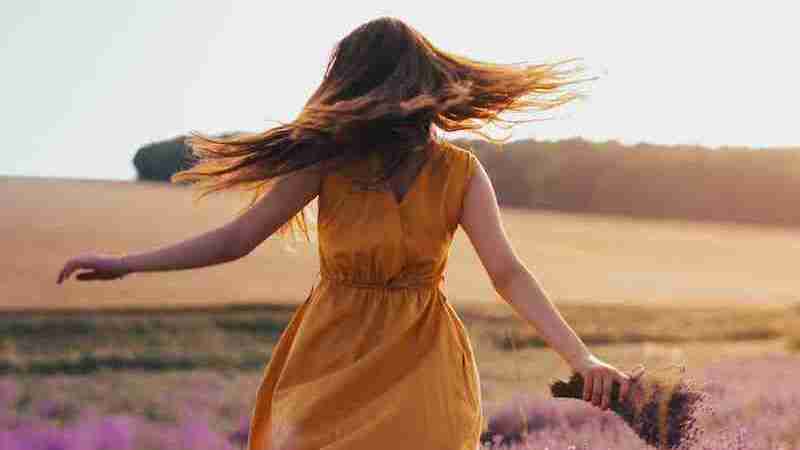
x=419, y=283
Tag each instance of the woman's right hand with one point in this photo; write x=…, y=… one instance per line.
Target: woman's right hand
x=598, y=377
x=100, y=267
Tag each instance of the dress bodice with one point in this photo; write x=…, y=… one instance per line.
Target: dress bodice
x=369, y=237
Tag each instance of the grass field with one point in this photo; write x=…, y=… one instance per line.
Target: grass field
x=578, y=258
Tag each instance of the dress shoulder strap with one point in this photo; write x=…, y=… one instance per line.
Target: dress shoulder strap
x=460, y=167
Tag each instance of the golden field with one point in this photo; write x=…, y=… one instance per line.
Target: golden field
x=578, y=258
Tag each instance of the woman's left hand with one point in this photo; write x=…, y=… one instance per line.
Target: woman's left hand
x=100, y=267
x=598, y=378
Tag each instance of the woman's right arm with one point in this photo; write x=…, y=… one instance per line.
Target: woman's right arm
x=481, y=221
x=239, y=237
x=226, y=243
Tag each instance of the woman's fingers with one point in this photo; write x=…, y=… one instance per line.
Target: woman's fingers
x=624, y=386
x=598, y=383
x=92, y=275
x=587, y=386
x=608, y=382
x=62, y=273
x=597, y=390
x=69, y=267
x=72, y=265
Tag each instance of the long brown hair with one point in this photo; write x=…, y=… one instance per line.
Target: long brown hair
x=385, y=90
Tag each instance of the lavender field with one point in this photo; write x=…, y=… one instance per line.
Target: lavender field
x=752, y=404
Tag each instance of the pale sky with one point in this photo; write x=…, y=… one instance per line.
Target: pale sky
x=84, y=84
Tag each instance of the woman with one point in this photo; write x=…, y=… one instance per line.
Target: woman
x=376, y=357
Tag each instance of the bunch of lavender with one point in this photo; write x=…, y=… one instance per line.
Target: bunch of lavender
x=660, y=408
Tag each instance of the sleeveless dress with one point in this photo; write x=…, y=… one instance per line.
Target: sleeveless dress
x=376, y=357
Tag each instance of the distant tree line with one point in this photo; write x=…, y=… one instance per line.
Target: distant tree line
x=157, y=161
x=726, y=184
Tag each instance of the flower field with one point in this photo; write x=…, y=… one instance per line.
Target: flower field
x=752, y=405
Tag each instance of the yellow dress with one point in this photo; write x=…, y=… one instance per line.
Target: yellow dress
x=376, y=357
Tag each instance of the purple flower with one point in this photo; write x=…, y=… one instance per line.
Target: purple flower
x=239, y=437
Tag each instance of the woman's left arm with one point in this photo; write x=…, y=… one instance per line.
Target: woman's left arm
x=229, y=242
